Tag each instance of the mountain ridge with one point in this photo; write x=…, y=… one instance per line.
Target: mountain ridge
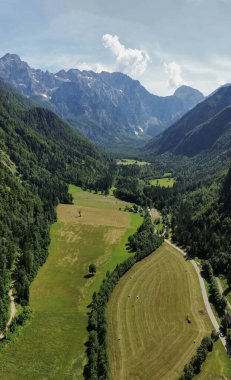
x=105, y=107
x=198, y=130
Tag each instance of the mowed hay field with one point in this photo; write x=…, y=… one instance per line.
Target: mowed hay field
x=51, y=345
x=148, y=334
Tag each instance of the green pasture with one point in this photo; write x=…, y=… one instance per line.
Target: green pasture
x=162, y=182
x=52, y=343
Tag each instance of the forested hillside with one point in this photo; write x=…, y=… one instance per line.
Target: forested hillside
x=202, y=223
x=39, y=155
x=197, y=207
x=199, y=146
x=205, y=130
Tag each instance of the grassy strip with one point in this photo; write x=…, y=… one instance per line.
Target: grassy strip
x=127, y=161
x=144, y=242
x=194, y=366
x=217, y=364
x=215, y=297
x=16, y=325
x=226, y=288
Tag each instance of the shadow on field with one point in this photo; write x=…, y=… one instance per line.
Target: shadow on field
x=226, y=291
x=89, y=275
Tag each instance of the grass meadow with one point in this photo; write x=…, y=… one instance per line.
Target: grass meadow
x=51, y=345
x=217, y=365
x=162, y=182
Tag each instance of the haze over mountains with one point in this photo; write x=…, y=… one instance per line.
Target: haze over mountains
x=108, y=108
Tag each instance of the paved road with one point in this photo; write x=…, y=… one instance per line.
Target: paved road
x=205, y=298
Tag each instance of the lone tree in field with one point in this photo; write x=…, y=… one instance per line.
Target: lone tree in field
x=92, y=269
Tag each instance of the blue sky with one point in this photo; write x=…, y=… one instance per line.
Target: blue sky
x=163, y=43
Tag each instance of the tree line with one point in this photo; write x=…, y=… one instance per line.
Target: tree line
x=194, y=366
x=39, y=155
x=142, y=243
x=215, y=296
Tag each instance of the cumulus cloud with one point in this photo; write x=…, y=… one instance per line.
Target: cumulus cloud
x=97, y=67
x=129, y=61
x=174, y=72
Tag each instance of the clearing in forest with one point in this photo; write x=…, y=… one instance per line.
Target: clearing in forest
x=51, y=345
x=128, y=161
x=156, y=318
x=163, y=182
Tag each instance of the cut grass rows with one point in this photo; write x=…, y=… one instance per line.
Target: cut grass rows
x=51, y=345
x=148, y=335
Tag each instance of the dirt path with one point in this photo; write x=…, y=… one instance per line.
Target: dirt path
x=12, y=312
x=155, y=214
x=222, y=291
x=205, y=298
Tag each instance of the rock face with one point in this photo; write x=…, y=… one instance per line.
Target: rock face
x=108, y=108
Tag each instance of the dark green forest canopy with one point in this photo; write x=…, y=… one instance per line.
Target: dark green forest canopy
x=202, y=224
x=39, y=156
x=197, y=206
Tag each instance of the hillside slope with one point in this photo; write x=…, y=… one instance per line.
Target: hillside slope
x=206, y=127
x=202, y=223
x=38, y=155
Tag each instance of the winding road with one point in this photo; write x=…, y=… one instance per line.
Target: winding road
x=205, y=298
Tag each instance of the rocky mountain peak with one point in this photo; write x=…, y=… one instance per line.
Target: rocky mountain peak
x=104, y=106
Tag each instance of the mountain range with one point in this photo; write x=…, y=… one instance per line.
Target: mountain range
x=108, y=108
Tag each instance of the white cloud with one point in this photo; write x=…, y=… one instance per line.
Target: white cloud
x=174, y=72
x=96, y=67
x=129, y=61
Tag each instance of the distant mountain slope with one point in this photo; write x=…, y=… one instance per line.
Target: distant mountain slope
x=47, y=142
x=108, y=108
x=205, y=128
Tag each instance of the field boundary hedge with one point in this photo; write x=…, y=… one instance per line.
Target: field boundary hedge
x=142, y=243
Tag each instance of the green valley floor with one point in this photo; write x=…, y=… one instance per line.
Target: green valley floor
x=51, y=345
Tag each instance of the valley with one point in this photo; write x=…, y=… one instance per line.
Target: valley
x=103, y=186
x=51, y=345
